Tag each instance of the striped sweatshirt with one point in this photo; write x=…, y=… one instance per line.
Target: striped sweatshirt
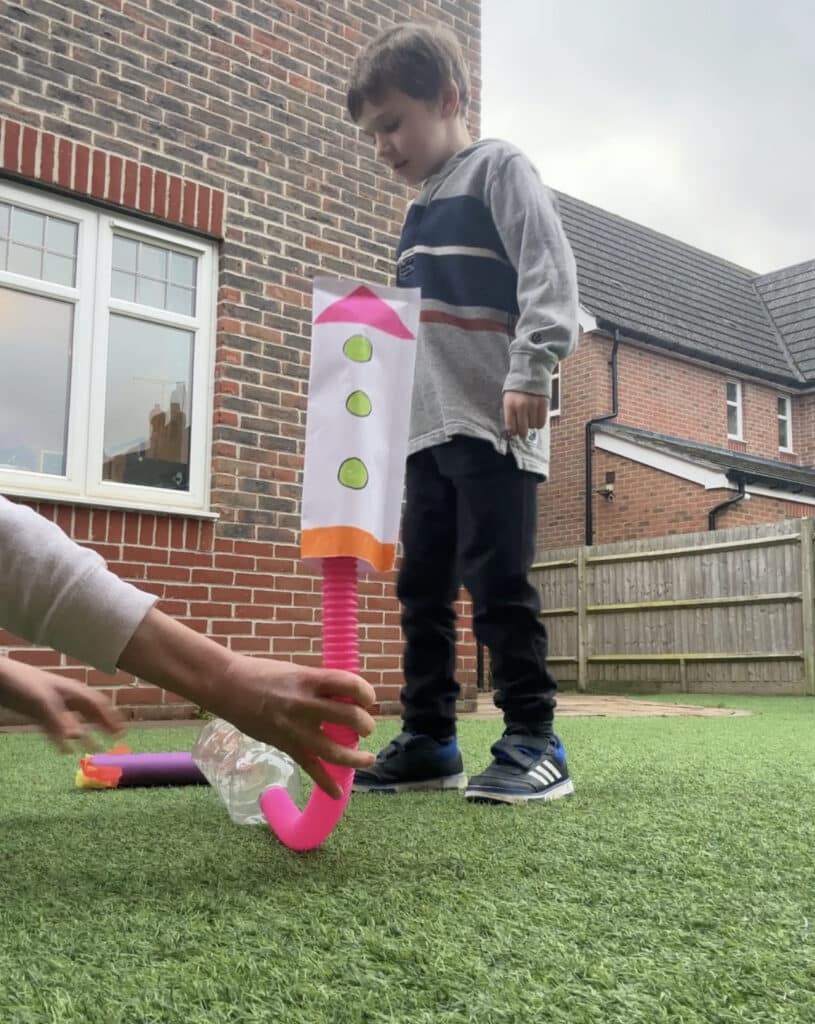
x=484, y=243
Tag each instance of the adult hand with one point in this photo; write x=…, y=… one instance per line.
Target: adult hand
x=63, y=708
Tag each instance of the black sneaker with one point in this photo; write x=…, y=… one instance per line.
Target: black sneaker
x=525, y=768
x=412, y=763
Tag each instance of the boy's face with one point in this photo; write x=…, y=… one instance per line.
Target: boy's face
x=413, y=137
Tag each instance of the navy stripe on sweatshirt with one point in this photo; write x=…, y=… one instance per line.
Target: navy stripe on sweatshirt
x=461, y=280
x=459, y=220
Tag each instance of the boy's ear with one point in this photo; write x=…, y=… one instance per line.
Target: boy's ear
x=449, y=98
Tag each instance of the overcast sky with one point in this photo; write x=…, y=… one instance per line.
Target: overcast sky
x=693, y=117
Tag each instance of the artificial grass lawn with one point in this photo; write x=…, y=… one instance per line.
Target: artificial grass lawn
x=677, y=885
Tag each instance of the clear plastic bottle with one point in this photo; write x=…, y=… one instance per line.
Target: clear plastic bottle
x=239, y=769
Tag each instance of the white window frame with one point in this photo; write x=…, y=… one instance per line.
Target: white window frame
x=554, y=410
x=93, y=305
x=738, y=406
x=786, y=418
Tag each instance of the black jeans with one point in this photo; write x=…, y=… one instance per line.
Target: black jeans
x=471, y=516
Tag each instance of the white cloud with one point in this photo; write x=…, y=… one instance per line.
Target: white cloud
x=692, y=118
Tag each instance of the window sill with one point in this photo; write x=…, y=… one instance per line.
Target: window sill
x=29, y=494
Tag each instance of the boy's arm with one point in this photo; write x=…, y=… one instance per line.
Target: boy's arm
x=534, y=240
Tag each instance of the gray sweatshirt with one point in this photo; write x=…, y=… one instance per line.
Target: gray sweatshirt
x=484, y=242
x=55, y=593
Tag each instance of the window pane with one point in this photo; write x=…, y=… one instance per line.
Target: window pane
x=554, y=404
x=4, y=219
x=182, y=269
x=123, y=286
x=181, y=300
x=732, y=391
x=153, y=261
x=782, y=407
x=25, y=261
x=35, y=353
x=59, y=269
x=150, y=293
x=60, y=237
x=28, y=227
x=3, y=254
x=783, y=434
x=147, y=404
x=125, y=254
x=732, y=420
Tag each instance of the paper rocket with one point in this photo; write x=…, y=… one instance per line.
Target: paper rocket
x=363, y=353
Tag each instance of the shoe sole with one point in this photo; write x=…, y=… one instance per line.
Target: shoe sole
x=446, y=782
x=496, y=796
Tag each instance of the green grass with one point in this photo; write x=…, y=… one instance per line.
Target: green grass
x=677, y=885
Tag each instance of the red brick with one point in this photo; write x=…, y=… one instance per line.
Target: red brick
x=115, y=178
x=28, y=163
x=136, y=695
x=47, y=157
x=202, y=210
x=146, y=189
x=174, y=201
x=11, y=147
x=188, y=204
x=161, y=190
x=82, y=160
x=216, y=214
x=99, y=171
x=131, y=185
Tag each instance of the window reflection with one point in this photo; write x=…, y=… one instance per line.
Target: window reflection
x=147, y=404
x=35, y=356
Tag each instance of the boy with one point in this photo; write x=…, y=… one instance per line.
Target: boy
x=499, y=309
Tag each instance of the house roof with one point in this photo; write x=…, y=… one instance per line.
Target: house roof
x=753, y=469
x=789, y=296
x=663, y=291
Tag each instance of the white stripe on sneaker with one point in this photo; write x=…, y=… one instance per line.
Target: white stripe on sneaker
x=541, y=775
x=553, y=768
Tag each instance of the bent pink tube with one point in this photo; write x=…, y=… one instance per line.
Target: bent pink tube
x=310, y=828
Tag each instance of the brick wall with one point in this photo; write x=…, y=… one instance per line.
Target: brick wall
x=649, y=503
x=666, y=395
x=228, y=118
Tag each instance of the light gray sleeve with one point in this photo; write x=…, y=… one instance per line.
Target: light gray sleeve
x=524, y=213
x=55, y=593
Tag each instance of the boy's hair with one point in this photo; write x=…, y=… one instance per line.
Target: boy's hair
x=416, y=59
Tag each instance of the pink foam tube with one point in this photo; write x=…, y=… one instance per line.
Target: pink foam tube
x=310, y=828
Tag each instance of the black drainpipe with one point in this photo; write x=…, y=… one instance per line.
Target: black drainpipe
x=714, y=512
x=589, y=539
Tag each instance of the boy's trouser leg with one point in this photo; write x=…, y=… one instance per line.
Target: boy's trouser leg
x=427, y=586
x=496, y=526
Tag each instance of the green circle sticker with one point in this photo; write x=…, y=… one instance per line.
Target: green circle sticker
x=353, y=474
x=359, y=349
x=359, y=404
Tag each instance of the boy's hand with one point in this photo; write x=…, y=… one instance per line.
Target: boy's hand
x=63, y=708
x=524, y=412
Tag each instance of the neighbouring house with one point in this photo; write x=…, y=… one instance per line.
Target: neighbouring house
x=690, y=402
x=172, y=176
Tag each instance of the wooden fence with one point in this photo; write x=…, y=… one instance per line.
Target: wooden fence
x=727, y=611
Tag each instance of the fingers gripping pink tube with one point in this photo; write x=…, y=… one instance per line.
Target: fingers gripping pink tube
x=308, y=829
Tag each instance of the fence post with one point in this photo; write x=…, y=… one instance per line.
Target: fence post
x=582, y=624
x=808, y=602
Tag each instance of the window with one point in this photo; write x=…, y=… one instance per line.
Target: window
x=784, y=423
x=734, y=413
x=554, y=401
x=106, y=344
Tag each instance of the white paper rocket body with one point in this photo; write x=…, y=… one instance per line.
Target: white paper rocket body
x=363, y=353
